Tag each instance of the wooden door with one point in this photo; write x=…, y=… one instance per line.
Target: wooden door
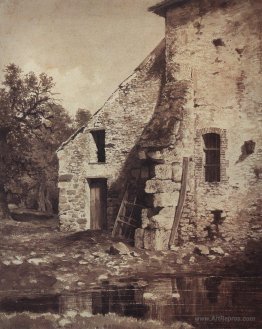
x=98, y=196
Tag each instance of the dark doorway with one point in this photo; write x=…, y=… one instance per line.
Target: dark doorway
x=98, y=203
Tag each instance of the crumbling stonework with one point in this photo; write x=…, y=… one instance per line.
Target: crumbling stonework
x=205, y=78
x=123, y=117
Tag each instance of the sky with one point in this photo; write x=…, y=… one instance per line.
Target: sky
x=88, y=46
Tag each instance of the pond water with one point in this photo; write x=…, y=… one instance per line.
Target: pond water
x=206, y=302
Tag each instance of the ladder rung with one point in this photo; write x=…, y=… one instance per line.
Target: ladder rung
x=121, y=221
x=134, y=204
x=128, y=218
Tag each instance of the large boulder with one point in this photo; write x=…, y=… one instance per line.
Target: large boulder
x=156, y=239
x=166, y=199
x=164, y=219
x=176, y=172
x=160, y=186
x=163, y=171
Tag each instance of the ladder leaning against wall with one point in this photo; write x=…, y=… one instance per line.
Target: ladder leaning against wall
x=129, y=214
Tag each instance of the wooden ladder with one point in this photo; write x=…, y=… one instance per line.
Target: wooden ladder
x=126, y=221
x=181, y=201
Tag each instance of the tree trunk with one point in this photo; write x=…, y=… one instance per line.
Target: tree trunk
x=44, y=204
x=4, y=210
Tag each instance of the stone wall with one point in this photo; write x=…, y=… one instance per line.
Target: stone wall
x=124, y=116
x=212, y=84
x=218, y=48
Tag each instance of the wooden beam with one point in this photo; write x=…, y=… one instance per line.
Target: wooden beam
x=181, y=201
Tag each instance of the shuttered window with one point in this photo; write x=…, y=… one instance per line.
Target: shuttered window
x=212, y=157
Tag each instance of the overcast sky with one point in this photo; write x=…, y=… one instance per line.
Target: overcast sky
x=88, y=46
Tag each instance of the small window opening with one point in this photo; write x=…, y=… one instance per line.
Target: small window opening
x=99, y=138
x=217, y=216
x=212, y=157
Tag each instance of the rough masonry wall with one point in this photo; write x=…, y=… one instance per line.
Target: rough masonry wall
x=73, y=190
x=217, y=46
x=123, y=117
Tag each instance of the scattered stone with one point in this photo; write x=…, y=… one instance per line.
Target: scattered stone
x=76, y=256
x=201, y=250
x=211, y=257
x=17, y=262
x=103, y=277
x=192, y=259
x=142, y=283
x=36, y=261
x=33, y=281
x=64, y=322
x=242, y=248
x=119, y=248
x=83, y=262
x=149, y=295
x=99, y=254
x=12, y=206
x=6, y=262
x=60, y=255
x=80, y=284
x=176, y=295
x=85, y=314
x=70, y=313
x=218, y=251
x=174, y=248
x=179, y=261
x=134, y=254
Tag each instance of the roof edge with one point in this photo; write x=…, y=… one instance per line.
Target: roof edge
x=161, y=8
x=160, y=45
x=155, y=51
x=81, y=129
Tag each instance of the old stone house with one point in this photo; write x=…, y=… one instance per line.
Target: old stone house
x=177, y=147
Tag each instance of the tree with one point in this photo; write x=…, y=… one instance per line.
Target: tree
x=33, y=179
x=82, y=117
x=44, y=166
x=26, y=106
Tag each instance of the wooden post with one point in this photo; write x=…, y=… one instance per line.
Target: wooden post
x=181, y=201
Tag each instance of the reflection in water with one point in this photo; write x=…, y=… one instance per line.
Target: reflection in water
x=222, y=301
x=40, y=304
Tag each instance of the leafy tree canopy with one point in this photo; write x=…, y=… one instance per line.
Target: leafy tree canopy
x=82, y=117
x=32, y=126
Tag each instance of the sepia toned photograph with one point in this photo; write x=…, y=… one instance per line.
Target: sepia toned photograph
x=130, y=164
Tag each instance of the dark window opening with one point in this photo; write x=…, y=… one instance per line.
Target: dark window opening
x=217, y=216
x=99, y=138
x=212, y=157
